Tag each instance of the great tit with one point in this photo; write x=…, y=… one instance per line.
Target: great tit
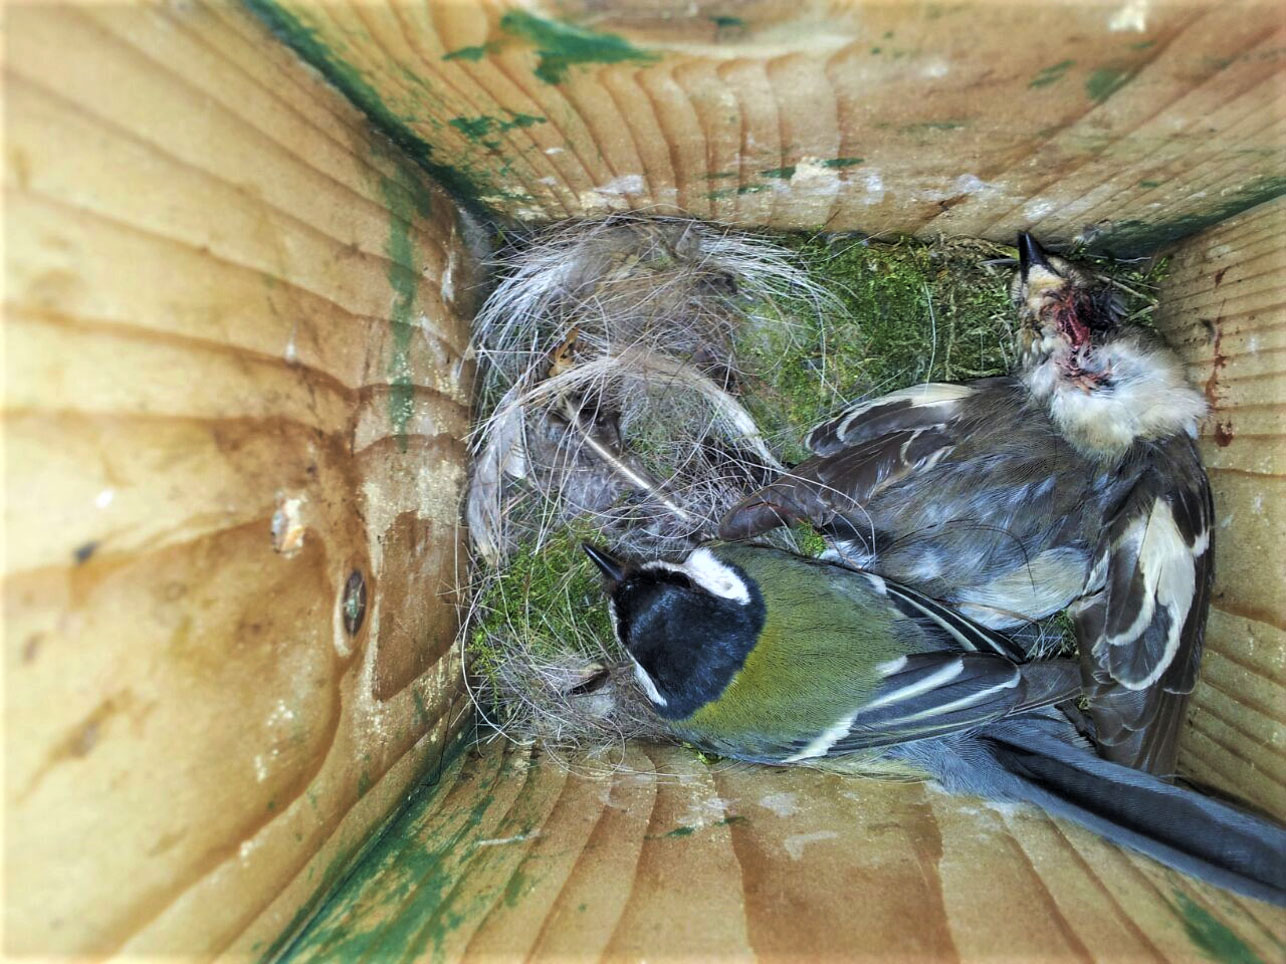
x=763, y=656
x=1073, y=482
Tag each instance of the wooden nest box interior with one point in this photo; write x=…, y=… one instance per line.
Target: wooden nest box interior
x=242, y=254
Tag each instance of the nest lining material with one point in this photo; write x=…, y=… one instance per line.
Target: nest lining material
x=640, y=375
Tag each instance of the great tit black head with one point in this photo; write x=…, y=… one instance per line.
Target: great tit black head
x=688, y=627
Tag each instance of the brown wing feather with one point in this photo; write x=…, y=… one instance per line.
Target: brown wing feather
x=869, y=447
x=1142, y=628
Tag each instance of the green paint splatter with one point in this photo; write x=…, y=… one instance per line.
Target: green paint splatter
x=1103, y=82
x=474, y=128
x=1143, y=45
x=307, y=43
x=1150, y=183
x=422, y=715
x=472, y=53
x=561, y=45
x=876, y=51
x=414, y=861
x=1211, y=935
x=403, y=278
x=720, y=175
x=681, y=832
x=843, y=162
x=782, y=173
x=752, y=188
x=734, y=818
x=1049, y=75
x=477, y=128
x=520, y=120
x=1129, y=238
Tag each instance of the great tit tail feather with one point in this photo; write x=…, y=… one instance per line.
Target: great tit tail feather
x=1199, y=835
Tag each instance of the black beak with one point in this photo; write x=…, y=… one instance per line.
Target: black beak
x=610, y=567
x=1030, y=254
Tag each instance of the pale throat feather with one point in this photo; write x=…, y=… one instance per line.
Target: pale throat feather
x=1140, y=393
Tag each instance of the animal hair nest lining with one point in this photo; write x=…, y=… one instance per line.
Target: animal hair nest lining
x=639, y=375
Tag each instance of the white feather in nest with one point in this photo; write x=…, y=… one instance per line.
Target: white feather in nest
x=608, y=389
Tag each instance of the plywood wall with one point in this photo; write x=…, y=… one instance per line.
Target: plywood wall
x=672, y=858
x=1225, y=310
x=1128, y=123
x=233, y=332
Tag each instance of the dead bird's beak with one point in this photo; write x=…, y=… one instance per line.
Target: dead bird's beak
x=1030, y=254
x=608, y=565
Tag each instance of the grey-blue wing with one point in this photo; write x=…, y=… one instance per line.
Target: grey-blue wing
x=927, y=695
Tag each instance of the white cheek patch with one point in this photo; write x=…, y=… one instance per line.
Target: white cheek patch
x=715, y=577
x=706, y=571
x=645, y=681
x=640, y=673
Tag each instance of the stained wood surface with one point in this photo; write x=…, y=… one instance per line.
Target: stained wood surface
x=510, y=858
x=1129, y=123
x=1224, y=308
x=233, y=332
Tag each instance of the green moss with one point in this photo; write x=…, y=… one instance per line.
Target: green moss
x=809, y=540
x=561, y=46
x=548, y=599
x=902, y=313
x=843, y=162
x=782, y=173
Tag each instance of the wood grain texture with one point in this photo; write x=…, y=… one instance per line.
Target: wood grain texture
x=1130, y=124
x=511, y=857
x=234, y=326
x=1224, y=308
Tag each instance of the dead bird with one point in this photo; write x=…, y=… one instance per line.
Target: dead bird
x=1073, y=482
x=764, y=656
